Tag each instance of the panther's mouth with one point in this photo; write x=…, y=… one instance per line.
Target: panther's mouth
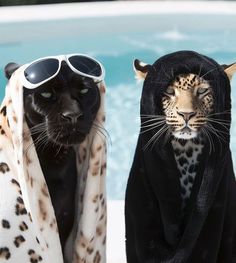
x=71, y=139
x=67, y=137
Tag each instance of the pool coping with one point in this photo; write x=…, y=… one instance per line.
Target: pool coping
x=116, y=8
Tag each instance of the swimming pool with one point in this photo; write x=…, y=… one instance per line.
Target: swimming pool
x=145, y=31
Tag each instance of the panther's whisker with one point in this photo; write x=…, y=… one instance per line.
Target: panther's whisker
x=103, y=131
x=99, y=134
x=103, y=136
x=43, y=141
x=40, y=140
x=56, y=138
x=97, y=129
x=99, y=125
x=34, y=142
x=38, y=129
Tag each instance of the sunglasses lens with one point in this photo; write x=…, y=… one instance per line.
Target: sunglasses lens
x=86, y=65
x=41, y=70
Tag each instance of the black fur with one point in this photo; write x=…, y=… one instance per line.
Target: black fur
x=67, y=113
x=156, y=230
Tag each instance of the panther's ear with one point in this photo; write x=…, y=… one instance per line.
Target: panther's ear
x=141, y=69
x=10, y=68
x=230, y=70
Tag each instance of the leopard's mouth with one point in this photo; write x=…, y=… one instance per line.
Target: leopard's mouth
x=185, y=133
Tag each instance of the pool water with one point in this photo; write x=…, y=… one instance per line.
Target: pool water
x=116, y=47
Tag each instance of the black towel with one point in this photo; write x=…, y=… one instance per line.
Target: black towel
x=155, y=228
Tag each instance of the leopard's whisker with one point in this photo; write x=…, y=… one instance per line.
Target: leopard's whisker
x=200, y=70
x=168, y=76
x=159, y=135
x=225, y=125
x=219, y=120
x=208, y=137
x=208, y=72
x=165, y=127
x=219, y=113
x=218, y=136
x=152, y=124
x=219, y=132
x=153, y=116
x=142, y=132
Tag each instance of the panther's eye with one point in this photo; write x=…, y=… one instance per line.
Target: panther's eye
x=170, y=91
x=201, y=91
x=84, y=91
x=46, y=95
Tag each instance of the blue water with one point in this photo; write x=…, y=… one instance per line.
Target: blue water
x=116, y=49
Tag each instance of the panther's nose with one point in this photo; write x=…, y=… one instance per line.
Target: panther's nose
x=186, y=115
x=72, y=117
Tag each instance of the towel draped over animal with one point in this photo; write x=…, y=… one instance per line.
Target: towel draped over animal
x=155, y=228
x=28, y=227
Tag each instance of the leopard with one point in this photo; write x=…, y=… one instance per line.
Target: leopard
x=181, y=185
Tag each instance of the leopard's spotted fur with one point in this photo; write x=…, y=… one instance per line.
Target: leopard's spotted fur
x=186, y=103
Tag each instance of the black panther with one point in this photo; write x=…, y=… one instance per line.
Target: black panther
x=60, y=113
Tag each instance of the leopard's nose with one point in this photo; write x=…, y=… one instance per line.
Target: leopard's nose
x=187, y=115
x=71, y=117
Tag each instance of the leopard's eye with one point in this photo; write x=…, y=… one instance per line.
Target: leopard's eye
x=46, y=95
x=170, y=91
x=84, y=91
x=201, y=91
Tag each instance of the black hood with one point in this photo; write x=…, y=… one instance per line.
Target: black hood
x=167, y=68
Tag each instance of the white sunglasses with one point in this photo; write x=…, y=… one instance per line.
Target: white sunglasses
x=44, y=69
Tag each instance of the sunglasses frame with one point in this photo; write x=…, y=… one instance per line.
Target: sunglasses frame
x=61, y=58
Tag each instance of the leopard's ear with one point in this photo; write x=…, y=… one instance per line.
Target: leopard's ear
x=230, y=70
x=10, y=68
x=141, y=69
